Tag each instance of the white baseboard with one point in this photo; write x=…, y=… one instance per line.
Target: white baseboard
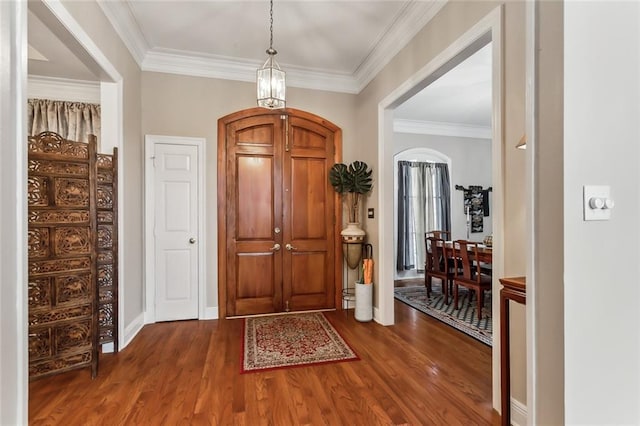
x=518, y=413
x=107, y=348
x=210, y=313
x=132, y=330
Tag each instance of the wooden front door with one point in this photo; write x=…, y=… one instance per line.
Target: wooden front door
x=277, y=210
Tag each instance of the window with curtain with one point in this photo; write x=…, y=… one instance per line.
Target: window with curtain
x=71, y=120
x=424, y=204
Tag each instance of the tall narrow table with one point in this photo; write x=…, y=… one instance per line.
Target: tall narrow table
x=512, y=289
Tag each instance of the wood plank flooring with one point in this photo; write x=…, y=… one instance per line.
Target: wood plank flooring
x=416, y=372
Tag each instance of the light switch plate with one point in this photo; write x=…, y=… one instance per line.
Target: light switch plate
x=596, y=191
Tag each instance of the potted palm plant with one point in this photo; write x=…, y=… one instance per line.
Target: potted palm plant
x=352, y=182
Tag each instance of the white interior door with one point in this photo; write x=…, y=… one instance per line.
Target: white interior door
x=175, y=264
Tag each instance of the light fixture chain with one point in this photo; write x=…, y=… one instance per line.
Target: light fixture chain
x=271, y=25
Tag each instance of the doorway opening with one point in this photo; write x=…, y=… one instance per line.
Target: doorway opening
x=54, y=20
x=488, y=30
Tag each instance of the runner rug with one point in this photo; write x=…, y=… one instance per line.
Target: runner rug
x=291, y=340
x=464, y=319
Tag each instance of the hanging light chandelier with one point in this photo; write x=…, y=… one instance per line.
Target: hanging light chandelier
x=270, y=78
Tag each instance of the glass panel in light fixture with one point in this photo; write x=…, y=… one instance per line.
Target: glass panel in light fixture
x=271, y=85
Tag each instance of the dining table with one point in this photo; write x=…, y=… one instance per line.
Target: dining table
x=485, y=253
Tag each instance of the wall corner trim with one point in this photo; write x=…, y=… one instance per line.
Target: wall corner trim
x=210, y=313
x=132, y=330
x=518, y=413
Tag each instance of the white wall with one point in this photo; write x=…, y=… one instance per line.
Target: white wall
x=601, y=146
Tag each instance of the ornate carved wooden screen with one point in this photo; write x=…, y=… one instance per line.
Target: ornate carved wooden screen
x=107, y=249
x=63, y=326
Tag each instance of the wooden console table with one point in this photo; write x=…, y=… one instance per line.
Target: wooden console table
x=512, y=289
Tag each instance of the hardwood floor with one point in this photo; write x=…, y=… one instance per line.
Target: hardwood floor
x=418, y=372
x=409, y=282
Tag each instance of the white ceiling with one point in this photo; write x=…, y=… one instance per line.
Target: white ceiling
x=333, y=37
x=326, y=45
x=460, y=98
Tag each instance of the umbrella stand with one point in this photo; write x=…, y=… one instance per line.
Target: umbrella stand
x=364, y=287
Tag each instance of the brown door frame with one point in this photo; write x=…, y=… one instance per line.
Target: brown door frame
x=222, y=200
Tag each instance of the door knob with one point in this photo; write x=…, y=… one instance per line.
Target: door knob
x=275, y=247
x=192, y=240
x=290, y=247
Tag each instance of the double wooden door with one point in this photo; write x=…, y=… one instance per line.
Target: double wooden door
x=277, y=212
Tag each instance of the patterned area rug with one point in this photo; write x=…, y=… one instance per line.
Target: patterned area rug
x=291, y=340
x=464, y=319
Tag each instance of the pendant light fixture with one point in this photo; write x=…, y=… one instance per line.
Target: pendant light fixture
x=270, y=78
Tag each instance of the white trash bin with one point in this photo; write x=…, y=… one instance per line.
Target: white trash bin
x=364, y=302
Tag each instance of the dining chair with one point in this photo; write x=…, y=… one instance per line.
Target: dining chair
x=445, y=235
x=485, y=268
x=438, y=266
x=468, y=273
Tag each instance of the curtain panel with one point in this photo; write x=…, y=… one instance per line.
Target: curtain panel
x=71, y=120
x=424, y=204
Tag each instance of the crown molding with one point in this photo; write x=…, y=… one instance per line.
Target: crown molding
x=63, y=89
x=411, y=20
x=199, y=65
x=227, y=68
x=318, y=80
x=122, y=20
x=442, y=129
